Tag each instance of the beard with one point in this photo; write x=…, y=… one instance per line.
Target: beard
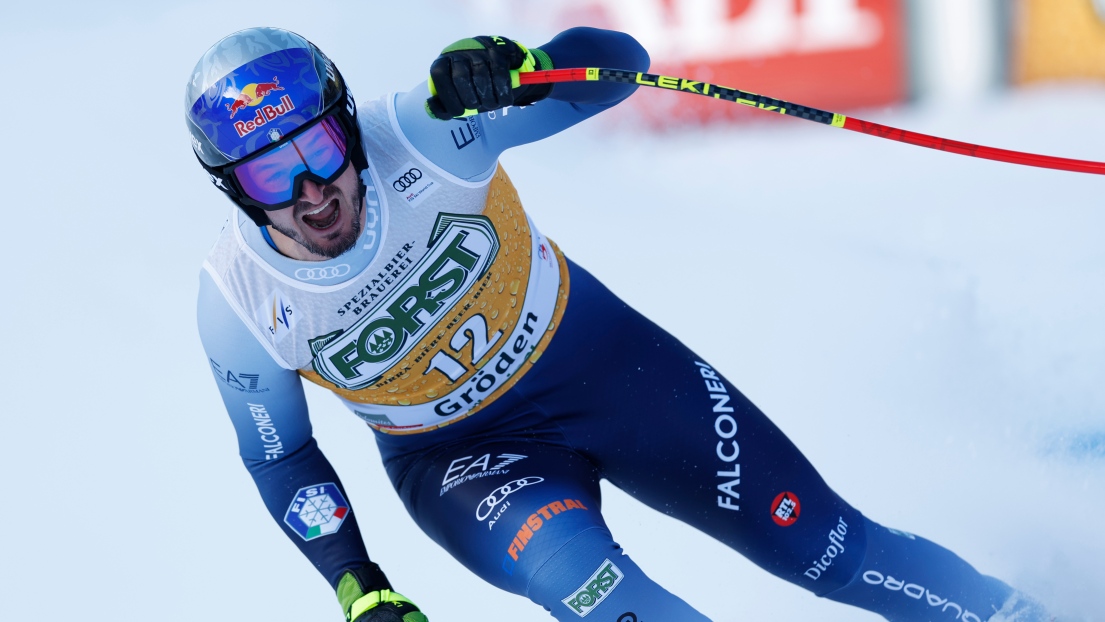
x=336, y=243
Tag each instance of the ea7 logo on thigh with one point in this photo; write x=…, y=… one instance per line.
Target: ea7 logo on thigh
x=461, y=471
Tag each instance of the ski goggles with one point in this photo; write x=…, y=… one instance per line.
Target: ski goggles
x=273, y=179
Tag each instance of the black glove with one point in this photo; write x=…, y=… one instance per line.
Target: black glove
x=475, y=75
x=365, y=595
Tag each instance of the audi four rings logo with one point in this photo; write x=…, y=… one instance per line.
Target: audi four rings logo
x=406, y=180
x=495, y=498
x=321, y=274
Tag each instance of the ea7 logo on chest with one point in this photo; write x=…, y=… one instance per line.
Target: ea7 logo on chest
x=461, y=250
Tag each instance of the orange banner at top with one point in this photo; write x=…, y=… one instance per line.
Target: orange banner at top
x=1059, y=39
x=833, y=54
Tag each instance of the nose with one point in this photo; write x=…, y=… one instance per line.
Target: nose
x=310, y=192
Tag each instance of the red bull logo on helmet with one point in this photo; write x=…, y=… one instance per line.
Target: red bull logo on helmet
x=251, y=96
x=238, y=113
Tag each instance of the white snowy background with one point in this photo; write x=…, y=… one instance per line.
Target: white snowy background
x=929, y=329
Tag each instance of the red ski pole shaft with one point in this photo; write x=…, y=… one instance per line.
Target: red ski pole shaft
x=789, y=109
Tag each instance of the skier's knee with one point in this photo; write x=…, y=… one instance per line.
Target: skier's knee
x=837, y=557
x=818, y=553
x=537, y=540
x=591, y=573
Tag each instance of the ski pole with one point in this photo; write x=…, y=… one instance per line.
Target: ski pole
x=804, y=112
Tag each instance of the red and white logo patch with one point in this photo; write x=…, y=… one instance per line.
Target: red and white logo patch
x=785, y=509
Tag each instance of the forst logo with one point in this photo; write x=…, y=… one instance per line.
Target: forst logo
x=383, y=337
x=461, y=251
x=595, y=589
x=251, y=95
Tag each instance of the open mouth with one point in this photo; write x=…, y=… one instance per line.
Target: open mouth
x=324, y=217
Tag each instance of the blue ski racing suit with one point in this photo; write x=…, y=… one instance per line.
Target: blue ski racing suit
x=503, y=382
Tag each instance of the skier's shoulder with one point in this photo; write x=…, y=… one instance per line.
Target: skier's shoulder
x=228, y=245
x=220, y=325
x=228, y=273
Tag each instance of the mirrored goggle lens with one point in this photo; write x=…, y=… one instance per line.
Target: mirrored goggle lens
x=270, y=179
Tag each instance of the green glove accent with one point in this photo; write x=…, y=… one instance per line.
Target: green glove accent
x=366, y=596
x=349, y=590
x=464, y=44
x=400, y=605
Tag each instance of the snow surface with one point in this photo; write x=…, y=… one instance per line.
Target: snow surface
x=928, y=328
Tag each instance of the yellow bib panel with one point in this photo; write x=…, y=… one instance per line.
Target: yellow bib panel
x=444, y=364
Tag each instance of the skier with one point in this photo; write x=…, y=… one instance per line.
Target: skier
x=382, y=252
